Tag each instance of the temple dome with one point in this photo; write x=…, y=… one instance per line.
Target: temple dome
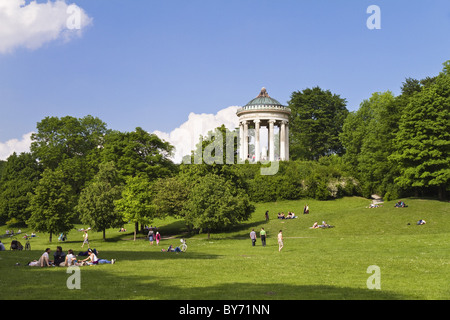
x=263, y=102
x=263, y=99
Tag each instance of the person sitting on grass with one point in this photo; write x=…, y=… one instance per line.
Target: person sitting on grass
x=71, y=259
x=59, y=256
x=306, y=209
x=281, y=215
x=400, y=204
x=291, y=215
x=43, y=260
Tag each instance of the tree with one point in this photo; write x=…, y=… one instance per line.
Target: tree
x=136, y=202
x=171, y=196
x=422, y=143
x=373, y=169
x=138, y=152
x=2, y=165
x=51, y=205
x=71, y=145
x=59, y=139
x=214, y=203
x=316, y=119
x=96, y=202
x=21, y=174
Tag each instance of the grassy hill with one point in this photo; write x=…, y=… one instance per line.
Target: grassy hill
x=332, y=263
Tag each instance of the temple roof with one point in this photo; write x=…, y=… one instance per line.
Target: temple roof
x=263, y=99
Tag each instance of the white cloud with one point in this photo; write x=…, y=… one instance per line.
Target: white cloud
x=14, y=145
x=186, y=136
x=34, y=24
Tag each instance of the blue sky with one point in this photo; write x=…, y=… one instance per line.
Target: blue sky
x=151, y=63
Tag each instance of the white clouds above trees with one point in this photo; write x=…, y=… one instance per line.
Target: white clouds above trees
x=186, y=136
x=15, y=145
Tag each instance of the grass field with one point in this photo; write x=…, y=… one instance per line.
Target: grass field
x=414, y=260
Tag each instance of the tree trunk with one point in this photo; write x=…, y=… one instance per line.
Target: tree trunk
x=104, y=234
x=50, y=239
x=136, y=228
x=441, y=192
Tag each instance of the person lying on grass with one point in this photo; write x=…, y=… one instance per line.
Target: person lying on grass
x=323, y=225
x=172, y=249
x=93, y=259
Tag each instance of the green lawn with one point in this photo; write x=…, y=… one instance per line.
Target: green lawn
x=315, y=263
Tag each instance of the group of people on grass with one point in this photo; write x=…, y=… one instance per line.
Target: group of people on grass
x=281, y=215
x=290, y=215
x=61, y=259
x=152, y=235
x=262, y=235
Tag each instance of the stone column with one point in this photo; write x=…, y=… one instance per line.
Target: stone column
x=257, y=143
x=245, y=153
x=241, y=140
x=271, y=141
x=283, y=141
x=287, y=141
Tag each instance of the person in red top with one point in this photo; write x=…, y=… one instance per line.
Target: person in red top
x=158, y=238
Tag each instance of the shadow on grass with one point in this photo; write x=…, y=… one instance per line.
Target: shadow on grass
x=9, y=259
x=153, y=255
x=111, y=286
x=119, y=281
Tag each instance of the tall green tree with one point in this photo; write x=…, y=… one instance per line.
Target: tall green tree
x=214, y=204
x=368, y=138
x=96, y=202
x=170, y=196
x=136, y=204
x=51, y=204
x=316, y=120
x=21, y=174
x=422, y=143
x=58, y=139
x=71, y=145
x=138, y=152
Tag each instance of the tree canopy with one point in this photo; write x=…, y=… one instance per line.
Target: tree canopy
x=316, y=120
x=422, y=143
